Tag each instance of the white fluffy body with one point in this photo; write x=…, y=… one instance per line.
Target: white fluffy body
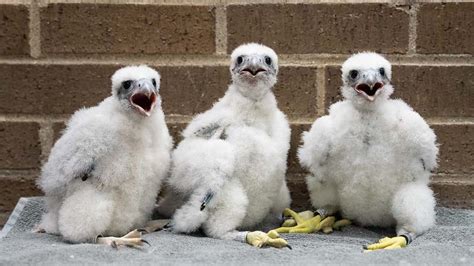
x=130, y=154
x=372, y=161
x=243, y=163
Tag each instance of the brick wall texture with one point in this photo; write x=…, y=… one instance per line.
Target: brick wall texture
x=58, y=56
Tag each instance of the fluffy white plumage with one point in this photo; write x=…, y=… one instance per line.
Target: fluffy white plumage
x=124, y=155
x=237, y=150
x=371, y=157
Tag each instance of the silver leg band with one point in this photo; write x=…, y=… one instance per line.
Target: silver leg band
x=409, y=237
x=322, y=212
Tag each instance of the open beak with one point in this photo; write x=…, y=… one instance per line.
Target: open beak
x=370, y=92
x=252, y=71
x=144, y=98
x=252, y=67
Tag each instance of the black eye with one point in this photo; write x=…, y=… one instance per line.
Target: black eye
x=268, y=60
x=353, y=74
x=153, y=81
x=382, y=71
x=126, y=84
x=240, y=59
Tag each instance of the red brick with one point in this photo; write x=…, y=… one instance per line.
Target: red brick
x=14, y=30
x=456, y=149
x=296, y=91
x=454, y=193
x=4, y=218
x=129, y=29
x=433, y=91
x=62, y=89
x=175, y=131
x=333, y=85
x=13, y=188
x=319, y=28
x=296, y=141
x=58, y=130
x=186, y=90
x=298, y=191
x=445, y=28
x=191, y=90
x=20, y=147
x=52, y=89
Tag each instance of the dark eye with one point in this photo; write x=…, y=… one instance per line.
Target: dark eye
x=382, y=71
x=240, y=59
x=353, y=74
x=153, y=81
x=268, y=60
x=126, y=84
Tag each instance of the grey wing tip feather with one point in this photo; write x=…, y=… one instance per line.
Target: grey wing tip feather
x=206, y=131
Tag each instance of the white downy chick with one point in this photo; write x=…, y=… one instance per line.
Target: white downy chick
x=371, y=157
x=228, y=173
x=104, y=173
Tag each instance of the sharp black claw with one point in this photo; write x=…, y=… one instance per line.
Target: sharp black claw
x=168, y=226
x=146, y=242
x=114, y=245
x=207, y=198
x=288, y=246
x=365, y=246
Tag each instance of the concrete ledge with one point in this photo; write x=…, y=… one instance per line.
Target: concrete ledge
x=448, y=243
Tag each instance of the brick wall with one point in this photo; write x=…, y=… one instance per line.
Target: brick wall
x=57, y=57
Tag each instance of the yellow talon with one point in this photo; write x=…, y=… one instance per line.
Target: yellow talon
x=306, y=215
x=273, y=234
x=327, y=230
x=388, y=243
x=341, y=223
x=296, y=217
x=260, y=239
x=282, y=229
x=300, y=231
x=289, y=223
x=327, y=222
x=305, y=223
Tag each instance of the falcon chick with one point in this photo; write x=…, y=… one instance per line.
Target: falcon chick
x=371, y=157
x=103, y=175
x=228, y=173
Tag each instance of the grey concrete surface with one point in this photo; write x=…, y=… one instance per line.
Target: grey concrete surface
x=451, y=242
